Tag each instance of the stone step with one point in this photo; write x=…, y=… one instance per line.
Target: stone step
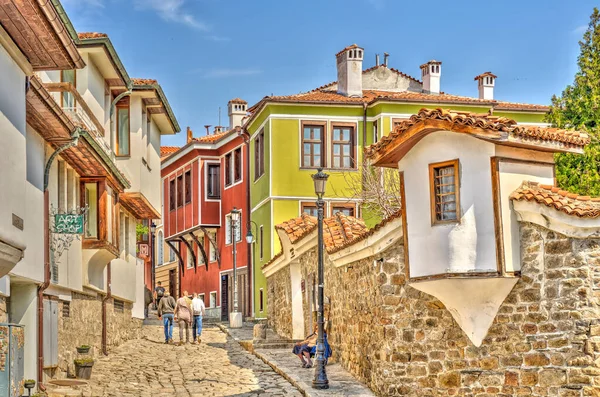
x=64, y=392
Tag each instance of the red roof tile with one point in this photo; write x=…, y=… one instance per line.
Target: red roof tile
x=238, y=100
x=484, y=74
x=561, y=200
x=348, y=48
x=168, y=150
x=144, y=81
x=212, y=137
x=91, y=35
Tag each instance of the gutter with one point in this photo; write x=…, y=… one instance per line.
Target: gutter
x=249, y=247
x=63, y=28
x=104, y=301
x=116, y=61
x=163, y=98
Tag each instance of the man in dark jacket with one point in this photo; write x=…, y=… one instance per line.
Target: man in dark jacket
x=147, y=300
x=166, y=308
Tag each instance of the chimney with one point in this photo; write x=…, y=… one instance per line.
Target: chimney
x=349, y=71
x=190, y=135
x=385, y=59
x=219, y=128
x=485, y=83
x=376, y=59
x=207, y=126
x=431, y=73
x=237, y=109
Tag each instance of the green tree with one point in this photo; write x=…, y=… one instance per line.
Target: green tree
x=578, y=107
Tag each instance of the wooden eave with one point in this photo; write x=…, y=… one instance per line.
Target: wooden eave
x=40, y=33
x=138, y=205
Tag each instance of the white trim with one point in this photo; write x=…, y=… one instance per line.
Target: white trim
x=260, y=127
x=216, y=298
x=232, y=151
x=261, y=204
x=552, y=219
x=313, y=198
x=345, y=119
x=240, y=226
x=270, y=158
x=181, y=167
x=205, y=162
x=196, y=145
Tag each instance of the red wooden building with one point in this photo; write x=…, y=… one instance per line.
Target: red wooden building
x=202, y=183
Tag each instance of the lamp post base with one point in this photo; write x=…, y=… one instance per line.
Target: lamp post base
x=320, y=384
x=235, y=320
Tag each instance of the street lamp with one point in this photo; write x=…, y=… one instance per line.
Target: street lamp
x=250, y=239
x=320, y=380
x=235, y=319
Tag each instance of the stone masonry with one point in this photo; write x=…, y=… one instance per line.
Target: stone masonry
x=83, y=326
x=545, y=340
x=279, y=309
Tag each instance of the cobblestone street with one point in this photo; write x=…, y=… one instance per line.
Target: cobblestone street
x=217, y=367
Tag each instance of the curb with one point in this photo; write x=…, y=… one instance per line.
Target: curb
x=247, y=345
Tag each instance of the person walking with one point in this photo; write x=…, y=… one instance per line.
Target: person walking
x=159, y=292
x=166, y=308
x=198, y=310
x=148, y=299
x=184, y=317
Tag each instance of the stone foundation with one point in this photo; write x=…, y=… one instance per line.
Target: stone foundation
x=279, y=309
x=545, y=340
x=83, y=326
x=3, y=312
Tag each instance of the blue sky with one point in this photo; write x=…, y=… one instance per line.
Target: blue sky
x=205, y=52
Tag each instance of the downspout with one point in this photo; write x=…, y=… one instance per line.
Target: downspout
x=364, y=125
x=112, y=111
x=249, y=247
x=47, y=257
x=104, y=300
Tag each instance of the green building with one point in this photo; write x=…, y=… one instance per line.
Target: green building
x=293, y=135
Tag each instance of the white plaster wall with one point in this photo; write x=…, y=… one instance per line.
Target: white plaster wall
x=137, y=310
x=153, y=183
x=12, y=150
x=511, y=177
x=470, y=245
x=131, y=165
x=297, y=308
x=123, y=269
x=23, y=310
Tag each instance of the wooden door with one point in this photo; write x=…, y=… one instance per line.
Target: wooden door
x=172, y=282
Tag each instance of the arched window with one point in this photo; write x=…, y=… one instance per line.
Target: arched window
x=160, y=253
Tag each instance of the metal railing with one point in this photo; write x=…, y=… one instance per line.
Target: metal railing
x=78, y=115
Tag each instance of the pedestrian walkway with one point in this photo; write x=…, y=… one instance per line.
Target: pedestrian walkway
x=219, y=366
x=341, y=383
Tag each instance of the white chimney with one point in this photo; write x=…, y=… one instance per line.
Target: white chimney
x=237, y=109
x=431, y=73
x=485, y=84
x=349, y=71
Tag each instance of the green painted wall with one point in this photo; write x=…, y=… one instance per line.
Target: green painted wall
x=260, y=187
x=262, y=217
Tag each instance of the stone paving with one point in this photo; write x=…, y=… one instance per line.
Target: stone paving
x=219, y=366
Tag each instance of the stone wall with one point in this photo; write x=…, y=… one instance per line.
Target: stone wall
x=279, y=308
x=83, y=326
x=544, y=341
x=3, y=312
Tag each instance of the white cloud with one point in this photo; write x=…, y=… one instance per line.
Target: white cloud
x=224, y=72
x=173, y=11
x=580, y=29
x=217, y=38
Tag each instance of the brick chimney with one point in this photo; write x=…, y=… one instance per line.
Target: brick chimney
x=237, y=109
x=485, y=84
x=190, y=135
x=349, y=71
x=431, y=73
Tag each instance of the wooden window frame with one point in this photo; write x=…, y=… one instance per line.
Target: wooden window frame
x=353, y=154
x=172, y=194
x=117, y=130
x=262, y=245
x=62, y=93
x=432, y=167
x=344, y=205
x=309, y=204
x=396, y=120
x=259, y=155
x=179, y=191
x=208, y=180
x=322, y=124
x=187, y=187
x=228, y=166
x=237, y=165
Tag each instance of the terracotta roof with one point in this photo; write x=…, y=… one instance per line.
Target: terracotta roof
x=485, y=74
x=212, y=137
x=502, y=125
x=432, y=62
x=348, y=48
x=298, y=228
x=143, y=81
x=168, y=150
x=238, y=100
x=561, y=200
x=91, y=35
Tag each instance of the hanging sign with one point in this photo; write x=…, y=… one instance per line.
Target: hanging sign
x=68, y=224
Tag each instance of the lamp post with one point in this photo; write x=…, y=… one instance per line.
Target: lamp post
x=320, y=380
x=152, y=255
x=250, y=239
x=235, y=319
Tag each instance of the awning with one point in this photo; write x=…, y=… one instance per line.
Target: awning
x=138, y=205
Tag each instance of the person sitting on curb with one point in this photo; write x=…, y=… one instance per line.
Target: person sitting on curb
x=166, y=308
x=303, y=348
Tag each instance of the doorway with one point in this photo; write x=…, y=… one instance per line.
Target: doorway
x=172, y=282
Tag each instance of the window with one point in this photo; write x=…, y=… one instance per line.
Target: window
x=171, y=255
x=445, y=190
x=375, y=131
x=66, y=98
x=260, y=300
x=212, y=251
x=160, y=248
x=172, y=202
x=119, y=306
x=144, y=237
x=188, y=187
x=179, y=191
x=213, y=184
x=228, y=169
x=66, y=309
x=261, y=242
x=91, y=202
x=310, y=209
x=342, y=147
x=259, y=155
x=238, y=231
x=312, y=145
x=122, y=130
x=188, y=255
x=124, y=222
x=201, y=296
x=347, y=210
x=396, y=122
x=213, y=299
x=237, y=170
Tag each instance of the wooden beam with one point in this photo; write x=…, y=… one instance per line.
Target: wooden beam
x=195, y=238
x=69, y=87
x=191, y=251
x=172, y=246
x=213, y=243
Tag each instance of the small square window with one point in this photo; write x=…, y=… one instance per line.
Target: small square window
x=445, y=192
x=119, y=306
x=310, y=209
x=66, y=309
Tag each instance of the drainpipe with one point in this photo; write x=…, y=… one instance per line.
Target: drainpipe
x=249, y=247
x=104, y=300
x=47, y=257
x=112, y=111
